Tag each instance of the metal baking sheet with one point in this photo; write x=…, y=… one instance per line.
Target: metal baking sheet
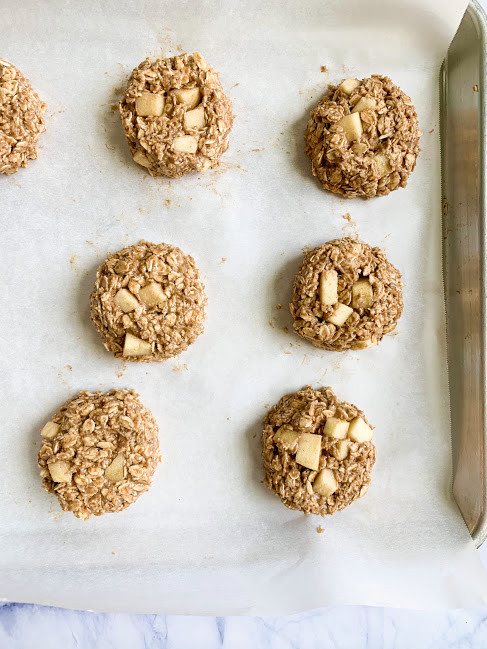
x=463, y=135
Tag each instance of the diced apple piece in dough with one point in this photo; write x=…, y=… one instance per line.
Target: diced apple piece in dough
x=50, y=430
x=349, y=85
x=116, y=470
x=149, y=104
x=342, y=449
x=364, y=344
x=141, y=159
x=336, y=428
x=325, y=483
x=340, y=315
x=185, y=144
x=328, y=287
x=60, y=471
x=359, y=148
x=362, y=294
x=352, y=125
x=286, y=436
x=134, y=346
x=309, y=450
x=383, y=164
x=190, y=97
x=365, y=103
x=152, y=294
x=126, y=300
x=359, y=431
x=206, y=164
x=194, y=118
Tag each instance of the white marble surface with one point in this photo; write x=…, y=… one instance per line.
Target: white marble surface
x=25, y=626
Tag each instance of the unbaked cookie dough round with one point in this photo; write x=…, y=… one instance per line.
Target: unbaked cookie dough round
x=148, y=303
x=176, y=117
x=346, y=296
x=21, y=119
x=363, y=138
x=99, y=452
x=317, y=451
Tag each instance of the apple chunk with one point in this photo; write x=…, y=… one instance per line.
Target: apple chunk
x=141, y=159
x=60, y=471
x=50, y=430
x=152, y=294
x=328, y=287
x=349, y=85
x=286, y=436
x=352, y=126
x=342, y=449
x=194, y=118
x=126, y=300
x=309, y=450
x=336, y=428
x=340, y=315
x=185, y=144
x=359, y=431
x=325, y=483
x=365, y=103
x=362, y=294
x=116, y=470
x=190, y=97
x=134, y=346
x=383, y=165
x=149, y=104
x=364, y=344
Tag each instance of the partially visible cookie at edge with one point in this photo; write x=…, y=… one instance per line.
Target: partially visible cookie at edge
x=346, y=295
x=176, y=117
x=317, y=451
x=99, y=452
x=363, y=138
x=148, y=303
x=21, y=119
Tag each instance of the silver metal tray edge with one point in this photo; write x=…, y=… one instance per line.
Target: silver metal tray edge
x=463, y=113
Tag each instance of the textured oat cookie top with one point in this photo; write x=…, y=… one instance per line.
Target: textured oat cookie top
x=317, y=451
x=21, y=119
x=363, y=138
x=346, y=296
x=99, y=452
x=176, y=117
x=148, y=303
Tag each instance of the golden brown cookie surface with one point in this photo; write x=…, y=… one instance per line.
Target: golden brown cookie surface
x=21, y=119
x=176, y=117
x=148, y=303
x=99, y=452
x=317, y=451
x=346, y=295
x=363, y=138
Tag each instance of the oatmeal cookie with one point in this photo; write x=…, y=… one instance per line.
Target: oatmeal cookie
x=21, y=119
x=346, y=296
x=99, y=452
x=176, y=117
x=148, y=303
x=317, y=451
x=363, y=138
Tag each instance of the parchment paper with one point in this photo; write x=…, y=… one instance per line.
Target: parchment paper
x=208, y=538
